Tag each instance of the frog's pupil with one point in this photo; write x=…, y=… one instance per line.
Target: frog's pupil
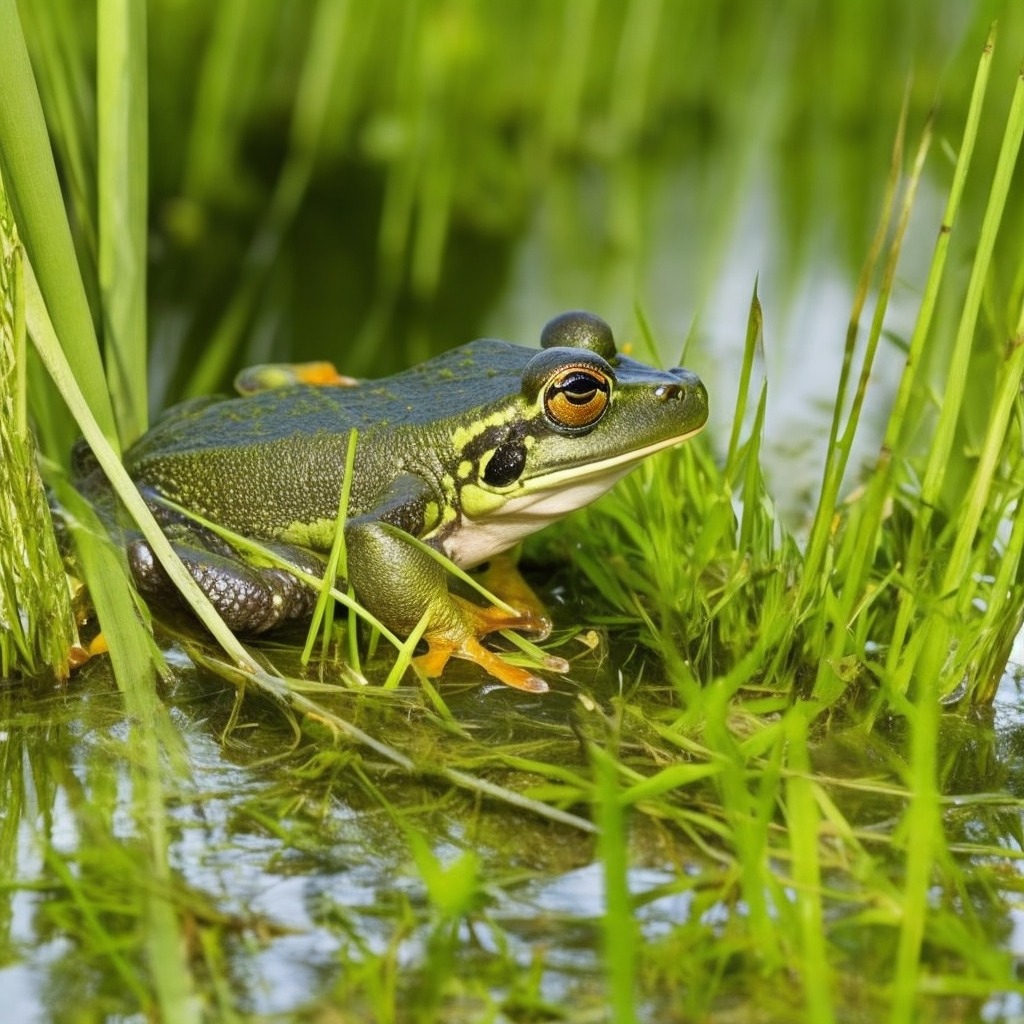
x=580, y=388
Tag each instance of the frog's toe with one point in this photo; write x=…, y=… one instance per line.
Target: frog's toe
x=441, y=650
x=482, y=621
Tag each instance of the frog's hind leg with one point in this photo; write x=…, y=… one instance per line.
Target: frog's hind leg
x=250, y=599
x=270, y=376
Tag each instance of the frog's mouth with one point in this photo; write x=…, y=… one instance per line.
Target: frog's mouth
x=542, y=500
x=616, y=466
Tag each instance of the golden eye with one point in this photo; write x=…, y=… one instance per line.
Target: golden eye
x=576, y=397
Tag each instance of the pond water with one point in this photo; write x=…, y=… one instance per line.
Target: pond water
x=305, y=876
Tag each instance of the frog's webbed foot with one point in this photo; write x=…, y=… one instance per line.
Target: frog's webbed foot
x=441, y=651
x=460, y=639
x=250, y=599
x=476, y=622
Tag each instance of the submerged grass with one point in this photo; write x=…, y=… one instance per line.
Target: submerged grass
x=803, y=887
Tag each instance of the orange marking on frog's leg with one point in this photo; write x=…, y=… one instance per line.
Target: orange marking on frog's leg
x=322, y=373
x=270, y=376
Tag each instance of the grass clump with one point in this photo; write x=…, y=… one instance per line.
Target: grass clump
x=37, y=627
x=895, y=591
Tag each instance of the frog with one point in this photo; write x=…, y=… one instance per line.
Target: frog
x=467, y=453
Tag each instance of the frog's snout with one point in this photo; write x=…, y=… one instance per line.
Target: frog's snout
x=688, y=389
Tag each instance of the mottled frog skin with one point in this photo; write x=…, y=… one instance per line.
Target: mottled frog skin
x=469, y=452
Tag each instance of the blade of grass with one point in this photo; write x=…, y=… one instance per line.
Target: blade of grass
x=1000, y=626
x=829, y=685
x=337, y=561
x=42, y=332
x=938, y=621
x=122, y=206
x=922, y=840
x=70, y=105
x=751, y=347
x=26, y=162
x=899, y=424
x=803, y=829
x=405, y=653
x=1007, y=391
x=821, y=528
x=618, y=925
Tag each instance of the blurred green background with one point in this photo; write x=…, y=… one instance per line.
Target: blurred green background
x=371, y=183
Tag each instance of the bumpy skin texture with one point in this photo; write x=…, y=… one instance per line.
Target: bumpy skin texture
x=251, y=599
x=465, y=452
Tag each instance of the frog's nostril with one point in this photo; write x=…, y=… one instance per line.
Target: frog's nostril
x=666, y=392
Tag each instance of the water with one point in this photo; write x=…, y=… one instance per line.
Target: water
x=310, y=876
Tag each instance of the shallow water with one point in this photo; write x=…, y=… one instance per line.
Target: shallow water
x=310, y=875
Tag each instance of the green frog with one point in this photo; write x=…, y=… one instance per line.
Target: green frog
x=469, y=452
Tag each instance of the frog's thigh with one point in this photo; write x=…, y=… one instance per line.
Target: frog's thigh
x=270, y=376
x=250, y=599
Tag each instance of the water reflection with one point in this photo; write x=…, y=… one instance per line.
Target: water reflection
x=307, y=873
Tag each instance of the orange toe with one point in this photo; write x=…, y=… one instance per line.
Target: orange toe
x=441, y=649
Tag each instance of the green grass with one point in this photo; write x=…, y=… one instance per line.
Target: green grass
x=38, y=628
x=776, y=749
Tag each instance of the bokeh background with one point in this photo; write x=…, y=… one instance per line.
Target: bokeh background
x=372, y=183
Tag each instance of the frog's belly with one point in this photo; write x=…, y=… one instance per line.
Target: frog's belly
x=473, y=541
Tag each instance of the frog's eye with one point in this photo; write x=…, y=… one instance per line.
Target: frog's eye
x=576, y=397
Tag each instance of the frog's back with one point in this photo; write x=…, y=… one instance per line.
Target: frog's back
x=451, y=384
x=262, y=463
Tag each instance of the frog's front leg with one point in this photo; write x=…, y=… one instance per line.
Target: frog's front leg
x=400, y=583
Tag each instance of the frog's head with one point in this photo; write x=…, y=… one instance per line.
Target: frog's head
x=584, y=416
